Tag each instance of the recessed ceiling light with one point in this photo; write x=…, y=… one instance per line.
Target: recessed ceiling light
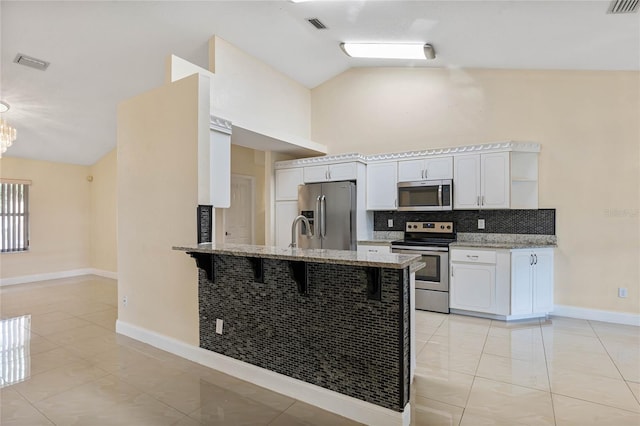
x=4, y=107
x=389, y=50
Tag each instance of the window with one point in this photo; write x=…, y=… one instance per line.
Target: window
x=14, y=215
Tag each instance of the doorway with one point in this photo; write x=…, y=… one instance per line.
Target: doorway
x=238, y=220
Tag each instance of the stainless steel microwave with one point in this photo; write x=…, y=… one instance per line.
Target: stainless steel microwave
x=425, y=195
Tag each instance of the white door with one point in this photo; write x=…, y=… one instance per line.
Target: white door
x=239, y=217
x=495, y=181
x=466, y=181
x=521, y=291
x=473, y=287
x=543, y=281
x=410, y=170
x=382, y=186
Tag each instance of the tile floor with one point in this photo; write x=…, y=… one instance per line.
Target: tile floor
x=74, y=370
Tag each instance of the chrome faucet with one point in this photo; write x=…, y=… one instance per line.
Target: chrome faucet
x=294, y=233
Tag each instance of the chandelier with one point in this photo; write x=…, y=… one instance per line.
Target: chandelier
x=7, y=133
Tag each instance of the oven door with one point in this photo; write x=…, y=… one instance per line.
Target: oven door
x=435, y=275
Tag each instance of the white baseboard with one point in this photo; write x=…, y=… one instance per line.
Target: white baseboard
x=103, y=273
x=24, y=279
x=335, y=402
x=596, y=315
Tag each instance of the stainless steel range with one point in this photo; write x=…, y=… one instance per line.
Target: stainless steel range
x=430, y=240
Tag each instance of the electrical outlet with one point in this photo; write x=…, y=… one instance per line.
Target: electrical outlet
x=219, y=324
x=480, y=223
x=390, y=223
x=622, y=292
x=125, y=301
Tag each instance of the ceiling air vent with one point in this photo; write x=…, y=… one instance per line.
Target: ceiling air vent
x=623, y=6
x=30, y=61
x=320, y=26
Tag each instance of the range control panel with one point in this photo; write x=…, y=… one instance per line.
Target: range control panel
x=430, y=227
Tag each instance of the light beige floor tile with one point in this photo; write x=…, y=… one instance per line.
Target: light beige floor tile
x=261, y=395
x=529, y=331
x=37, y=320
x=598, y=389
x=576, y=412
x=468, y=325
x=186, y=392
x=569, y=326
x=605, y=329
x=495, y=403
x=437, y=357
x=559, y=341
x=78, y=309
x=89, y=348
x=58, y=380
x=140, y=410
x=49, y=360
x=427, y=412
x=17, y=411
x=76, y=405
x=148, y=375
x=470, y=343
x=302, y=414
x=39, y=344
x=118, y=359
x=531, y=374
x=527, y=348
x=106, y=318
x=444, y=386
x=68, y=337
x=187, y=421
x=533, y=323
x=48, y=328
x=630, y=370
x=233, y=409
x=635, y=388
x=590, y=363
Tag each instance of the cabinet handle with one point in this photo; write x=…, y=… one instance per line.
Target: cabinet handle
x=531, y=259
x=326, y=174
x=452, y=272
x=426, y=173
x=483, y=200
x=535, y=256
x=395, y=203
x=478, y=201
x=474, y=257
x=422, y=174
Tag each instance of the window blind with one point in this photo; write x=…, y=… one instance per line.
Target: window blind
x=14, y=216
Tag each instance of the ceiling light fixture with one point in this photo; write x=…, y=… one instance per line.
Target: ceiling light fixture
x=7, y=133
x=389, y=50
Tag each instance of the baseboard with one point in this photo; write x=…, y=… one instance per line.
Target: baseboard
x=335, y=402
x=103, y=273
x=43, y=277
x=596, y=315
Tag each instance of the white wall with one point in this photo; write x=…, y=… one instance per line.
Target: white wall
x=586, y=122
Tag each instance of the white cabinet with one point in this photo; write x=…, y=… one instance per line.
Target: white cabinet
x=426, y=168
x=499, y=180
x=374, y=248
x=331, y=172
x=382, y=186
x=531, y=281
x=473, y=285
x=287, y=181
x=285, y=212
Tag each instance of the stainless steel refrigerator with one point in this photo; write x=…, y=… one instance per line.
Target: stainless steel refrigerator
x=331, y=210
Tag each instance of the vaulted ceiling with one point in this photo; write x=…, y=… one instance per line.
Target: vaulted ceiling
x=103, y=52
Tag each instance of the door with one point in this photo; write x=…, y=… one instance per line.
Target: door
x=410, y=170
x=338, y=204
x=521, y=291
x=309, y=206
x=466, y=181
x=238, y=219
x=287, y=181
x=316, y=174
x=495, y=181
x=543, y=280
x=439, y=168
x=473, y=287
x=382, y=186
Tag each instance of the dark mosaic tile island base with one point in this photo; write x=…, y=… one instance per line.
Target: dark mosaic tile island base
x=539, y=222
x=333, y=336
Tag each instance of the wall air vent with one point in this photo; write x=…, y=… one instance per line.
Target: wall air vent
x=30, y=61
x=319, y=25
x=623, y=6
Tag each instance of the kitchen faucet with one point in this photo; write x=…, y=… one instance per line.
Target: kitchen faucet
x=294, y=234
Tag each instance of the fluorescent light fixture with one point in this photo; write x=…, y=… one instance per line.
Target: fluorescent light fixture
x=389, y=50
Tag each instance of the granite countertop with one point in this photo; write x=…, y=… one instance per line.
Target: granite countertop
x=504, y=241
x=341, y=257
x=377, y=242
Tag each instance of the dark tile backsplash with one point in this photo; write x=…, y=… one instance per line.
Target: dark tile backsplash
x=541, y=222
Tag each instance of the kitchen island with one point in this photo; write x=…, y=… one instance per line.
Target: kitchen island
x=337, y=320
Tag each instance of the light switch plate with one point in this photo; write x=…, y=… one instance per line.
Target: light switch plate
x=480, y=223
x=390, y=223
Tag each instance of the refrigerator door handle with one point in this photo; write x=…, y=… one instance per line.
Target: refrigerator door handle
x=323, y=216
x=317, y=218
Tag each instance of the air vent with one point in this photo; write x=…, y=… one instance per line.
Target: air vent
x=30, y=61
x=623, y=6
x=317, y=23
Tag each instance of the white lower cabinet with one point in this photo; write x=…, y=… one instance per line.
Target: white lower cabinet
x=509, y=284
x=531, y=281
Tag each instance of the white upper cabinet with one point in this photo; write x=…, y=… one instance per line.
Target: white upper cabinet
x=426, y=168
x=331, y=172
x=287, y=181
x=382, y=186
x=499, y=180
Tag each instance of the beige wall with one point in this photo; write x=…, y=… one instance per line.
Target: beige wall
x=157, y=175
x=103, y=214
x=59, y=204
x=586, y=122
x=248, y=162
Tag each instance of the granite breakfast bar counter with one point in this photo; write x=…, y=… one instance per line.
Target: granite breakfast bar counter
x=334, y=320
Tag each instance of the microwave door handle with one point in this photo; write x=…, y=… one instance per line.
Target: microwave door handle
x=440, y=195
